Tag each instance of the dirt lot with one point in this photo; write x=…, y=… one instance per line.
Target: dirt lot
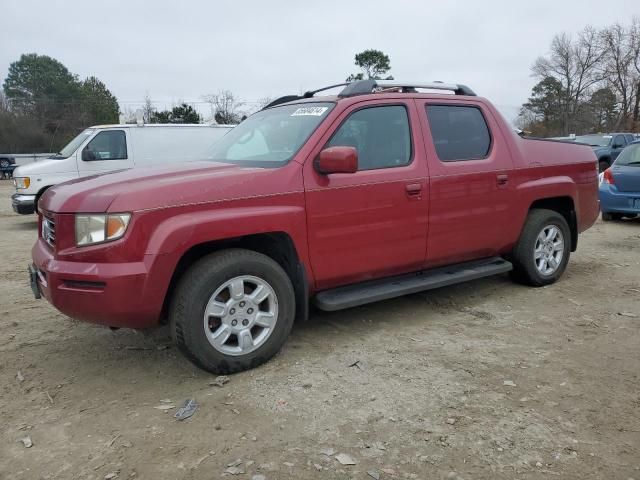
x=483, y=380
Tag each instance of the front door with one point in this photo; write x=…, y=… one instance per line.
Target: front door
x=371, y=223
x=469, y=181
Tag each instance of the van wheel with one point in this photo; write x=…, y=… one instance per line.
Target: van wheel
x=542, y=252
x=232, y=311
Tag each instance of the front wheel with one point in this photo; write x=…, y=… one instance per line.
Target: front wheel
x=232, y=311
x=542, y=252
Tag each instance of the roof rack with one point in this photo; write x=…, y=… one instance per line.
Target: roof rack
x=363, y=87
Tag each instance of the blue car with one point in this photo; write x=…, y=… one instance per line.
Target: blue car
x=620, y=185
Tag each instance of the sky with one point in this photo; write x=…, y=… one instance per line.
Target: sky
x=179, y=51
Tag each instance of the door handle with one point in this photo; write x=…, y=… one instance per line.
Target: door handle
x=414, y=189
x=502, y=179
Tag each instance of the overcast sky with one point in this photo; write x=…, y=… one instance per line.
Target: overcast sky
x=183, y=50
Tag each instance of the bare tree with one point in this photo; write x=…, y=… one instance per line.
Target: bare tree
x=575, y=65
x=618, y=66
x=634, y=32
x=225, y=107
x=148, y=109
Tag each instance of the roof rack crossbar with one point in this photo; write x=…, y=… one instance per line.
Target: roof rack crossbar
x=362, y=87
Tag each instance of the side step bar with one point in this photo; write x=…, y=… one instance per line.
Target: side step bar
x=385, y=288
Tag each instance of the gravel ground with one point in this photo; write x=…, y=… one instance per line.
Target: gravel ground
x=483, y=380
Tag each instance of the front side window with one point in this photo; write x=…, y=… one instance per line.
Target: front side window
x=459, y=132
x=619, y=141
x=108, y=145
x=271, y=137
x=381, y=135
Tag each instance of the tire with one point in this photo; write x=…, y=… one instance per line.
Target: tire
x=531, y=271
x=611, y=216
x=603, y=164
x=195, y=293
x=4, y=163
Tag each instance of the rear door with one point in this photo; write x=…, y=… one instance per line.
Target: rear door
x=470, y=182
x=371, y=223
x=107, y=151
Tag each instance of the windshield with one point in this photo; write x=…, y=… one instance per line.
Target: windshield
x=629, y=156
x=271, y=137
x=73, y=145
x=594, y=140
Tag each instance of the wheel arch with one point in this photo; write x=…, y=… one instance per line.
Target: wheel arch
x=565, y=206
x=277, y=245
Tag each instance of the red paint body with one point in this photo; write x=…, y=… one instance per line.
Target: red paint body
x=345, y=227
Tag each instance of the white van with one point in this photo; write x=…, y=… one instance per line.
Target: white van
x=106, y=148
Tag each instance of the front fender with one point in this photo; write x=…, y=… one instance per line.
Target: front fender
x=179, y=233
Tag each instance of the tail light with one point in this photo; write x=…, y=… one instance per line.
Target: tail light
x=608, y=177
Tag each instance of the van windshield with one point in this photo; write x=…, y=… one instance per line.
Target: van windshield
x=271, y=137
x=73, y=145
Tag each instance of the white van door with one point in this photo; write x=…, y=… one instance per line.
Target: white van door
x=108, y=150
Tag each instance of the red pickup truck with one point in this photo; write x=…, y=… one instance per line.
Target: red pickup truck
x=341, y=200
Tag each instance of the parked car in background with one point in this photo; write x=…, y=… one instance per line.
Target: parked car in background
x=6, y=161
x=106, y=148
x=606, y=147
x=620, y=186
x=378, y=192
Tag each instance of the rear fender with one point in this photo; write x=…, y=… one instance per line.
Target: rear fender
x=539, y=189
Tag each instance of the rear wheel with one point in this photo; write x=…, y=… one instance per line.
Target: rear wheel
x=232, y=310
x=542, y=252
x=4, y=162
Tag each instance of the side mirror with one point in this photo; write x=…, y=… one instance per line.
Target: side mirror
x=337, y=160
x=88, y=155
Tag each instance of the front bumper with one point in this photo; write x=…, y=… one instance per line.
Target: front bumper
x=23, y=204
x=612, y=200
x=111, y=294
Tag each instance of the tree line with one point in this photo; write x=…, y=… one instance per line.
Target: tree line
x=43, y=105
x=587, y=83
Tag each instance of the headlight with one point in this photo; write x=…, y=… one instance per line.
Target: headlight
x=22, y=182
x=92, y=229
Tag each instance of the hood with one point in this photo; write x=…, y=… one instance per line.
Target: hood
x=164, y=186
x=42, y=167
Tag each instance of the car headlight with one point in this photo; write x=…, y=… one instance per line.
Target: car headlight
x=92, y=229
x=22, y=182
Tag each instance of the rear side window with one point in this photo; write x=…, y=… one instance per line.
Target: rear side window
x=630, y=138
x=109, y=145
x=459, y=132
x=381, y=135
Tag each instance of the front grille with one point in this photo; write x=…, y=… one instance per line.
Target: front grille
x=49, y=231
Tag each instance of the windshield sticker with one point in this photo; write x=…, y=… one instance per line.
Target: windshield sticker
x=313, y=111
